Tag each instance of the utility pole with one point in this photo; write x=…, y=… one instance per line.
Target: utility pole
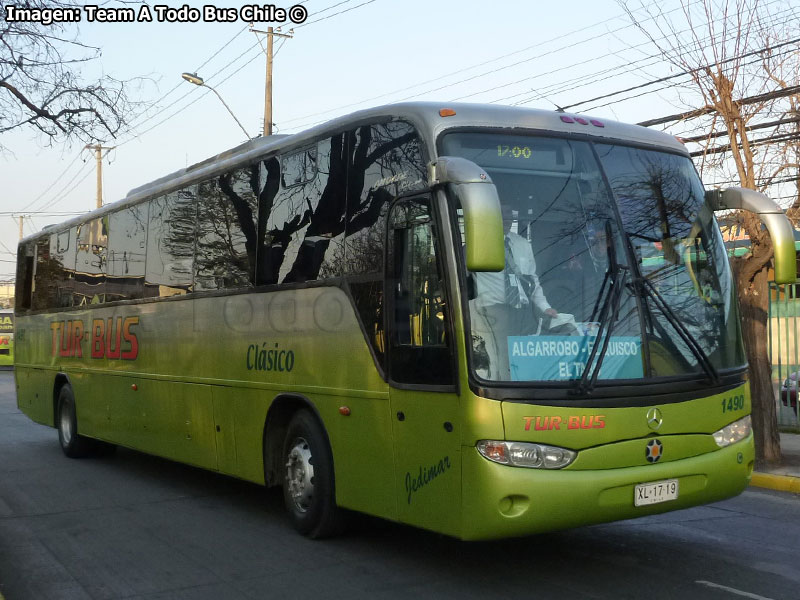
x=270, y=33
x=21, y=234
x=98, y=153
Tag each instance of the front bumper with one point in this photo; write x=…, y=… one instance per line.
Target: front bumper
x=501, y=501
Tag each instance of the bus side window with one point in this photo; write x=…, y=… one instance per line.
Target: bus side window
x=24, y=277
x=309, y=239
x=386, y=160
x=170, y=244
x=226, y=231
x=127, y=239
x=92, y=262
x=420, y=341
x=63, y=253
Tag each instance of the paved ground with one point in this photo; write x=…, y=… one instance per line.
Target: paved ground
x=134, y=527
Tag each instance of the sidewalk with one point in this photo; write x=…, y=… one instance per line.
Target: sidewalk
x=785, y=476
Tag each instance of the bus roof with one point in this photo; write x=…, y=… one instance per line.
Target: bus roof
x=424, y=115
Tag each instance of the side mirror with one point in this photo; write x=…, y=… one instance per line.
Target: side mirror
x=483, y=221
x=773, y=218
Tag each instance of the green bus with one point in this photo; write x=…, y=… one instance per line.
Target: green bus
x=479, y=320
x=6, y=337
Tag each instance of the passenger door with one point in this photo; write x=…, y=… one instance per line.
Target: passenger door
x=424, y=402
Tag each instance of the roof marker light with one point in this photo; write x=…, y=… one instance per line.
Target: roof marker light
x=581, y=120
x=567, y=119
x=447, y=112
x=597, y=123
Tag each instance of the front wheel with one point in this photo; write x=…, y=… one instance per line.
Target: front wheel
x=73, y=444
x=308, y=483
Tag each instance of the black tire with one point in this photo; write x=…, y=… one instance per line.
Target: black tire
x=308, y=482
x=73, y=444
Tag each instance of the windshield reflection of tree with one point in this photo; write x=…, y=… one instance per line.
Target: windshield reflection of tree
x=661, y=207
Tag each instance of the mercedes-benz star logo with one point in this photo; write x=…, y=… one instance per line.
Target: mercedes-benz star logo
x=654, y=419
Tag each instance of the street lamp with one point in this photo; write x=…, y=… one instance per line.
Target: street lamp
x=197, y=80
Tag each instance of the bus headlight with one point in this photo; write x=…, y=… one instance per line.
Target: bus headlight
x=738, y=430
x=524, y=454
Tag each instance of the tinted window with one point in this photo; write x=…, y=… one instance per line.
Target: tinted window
x=226, y=231
x=170, y=244
x=63, y=253
x=420, y=351
x=126, y=253
x=45, y=287
x=306, y=228
x=91, y=262
x=299, y=167
x=22, y=295
x=385, y=161
x=268, y=258
x=368, y=298
x=286, y=226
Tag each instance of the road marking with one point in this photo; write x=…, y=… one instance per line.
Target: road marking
x=732, y=590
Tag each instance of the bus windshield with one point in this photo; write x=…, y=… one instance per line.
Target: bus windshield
x=615, y=267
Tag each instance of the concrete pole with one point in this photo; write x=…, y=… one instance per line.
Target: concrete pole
x=99, y=157
x=98, y=154
x=268, y=86
x=270, y=33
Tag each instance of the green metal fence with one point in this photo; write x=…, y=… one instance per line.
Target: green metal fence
x=784, y=349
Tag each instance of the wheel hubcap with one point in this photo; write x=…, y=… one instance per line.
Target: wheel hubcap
x=300, y=475
x=66, y=425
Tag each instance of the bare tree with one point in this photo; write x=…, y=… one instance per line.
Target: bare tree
x=42, y=87
x=738, y=57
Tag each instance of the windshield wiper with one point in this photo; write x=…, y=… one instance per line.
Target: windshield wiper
x=646, y=288
x=617, y=274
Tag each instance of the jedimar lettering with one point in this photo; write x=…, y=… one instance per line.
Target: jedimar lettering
x=558, y=423
x=425, y=476
x=108, y=338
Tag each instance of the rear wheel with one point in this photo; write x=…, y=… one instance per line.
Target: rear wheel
x=73, y=444
x=308, y=484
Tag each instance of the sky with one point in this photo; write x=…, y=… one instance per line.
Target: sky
x=346, y=55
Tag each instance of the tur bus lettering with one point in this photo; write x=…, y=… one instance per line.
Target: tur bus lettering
x=572, y=422
x=112, y=340
x=107, y=338
x=67, y=336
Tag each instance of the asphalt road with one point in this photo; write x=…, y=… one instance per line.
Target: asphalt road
x=133, y=526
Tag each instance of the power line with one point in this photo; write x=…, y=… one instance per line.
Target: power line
x=307, y=124
x=450, y=74
x=228, y=65
x=724, y=132
x=598, y=77
x=334, y=14
x=661, y=89
x=785, y=137
x=55, y=181
x=540, y=94
x=66, y=192
x=705, y=110
x=681, y=74
x=146, y=119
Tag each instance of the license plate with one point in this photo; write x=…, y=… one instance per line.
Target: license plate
x=655, y=492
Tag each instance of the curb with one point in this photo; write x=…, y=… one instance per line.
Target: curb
x=782, y=483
